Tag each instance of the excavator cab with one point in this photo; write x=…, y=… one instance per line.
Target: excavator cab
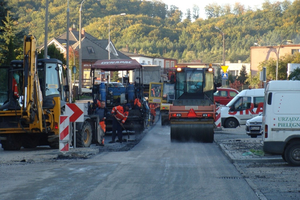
x=51, y=78
x=193, y=110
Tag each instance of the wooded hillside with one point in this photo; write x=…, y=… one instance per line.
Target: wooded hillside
x=152, y=28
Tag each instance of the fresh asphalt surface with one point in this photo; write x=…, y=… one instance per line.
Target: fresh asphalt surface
x=154, y=169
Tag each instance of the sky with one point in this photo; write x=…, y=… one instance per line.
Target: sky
x=183, y=5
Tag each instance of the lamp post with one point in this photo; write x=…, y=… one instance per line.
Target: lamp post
x=80, y=53
x=122, y=14
x=223, y=35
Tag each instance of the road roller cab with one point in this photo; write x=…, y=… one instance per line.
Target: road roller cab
x=193, y=111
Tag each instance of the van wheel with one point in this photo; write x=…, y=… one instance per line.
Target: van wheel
x=231, y=123
x=292, y=154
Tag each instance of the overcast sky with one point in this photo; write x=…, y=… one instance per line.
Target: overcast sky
x=183, y=5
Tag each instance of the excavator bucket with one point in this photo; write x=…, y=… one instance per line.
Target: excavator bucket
x=194, y=130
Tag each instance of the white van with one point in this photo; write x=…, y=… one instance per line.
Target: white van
x=246, y=105
x=281, y=120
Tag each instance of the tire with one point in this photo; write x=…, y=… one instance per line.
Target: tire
x=13, y=142
x=84, y=136
x=231, y=123
x=292, y=154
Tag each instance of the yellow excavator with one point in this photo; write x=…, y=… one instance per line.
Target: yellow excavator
x=31, y=96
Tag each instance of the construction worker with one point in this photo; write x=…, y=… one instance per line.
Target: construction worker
x=153, y=107
x=120, y=114
x=101, y=111
x=15, y=82
x=137, y=104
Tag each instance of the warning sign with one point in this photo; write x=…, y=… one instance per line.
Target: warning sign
x=224, y=68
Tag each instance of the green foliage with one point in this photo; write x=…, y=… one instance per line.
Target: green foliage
x=53, y=52
x=295, y=75
x=115, y=77
x=243, y=75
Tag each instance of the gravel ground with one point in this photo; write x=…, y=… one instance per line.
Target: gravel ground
x=268, y=175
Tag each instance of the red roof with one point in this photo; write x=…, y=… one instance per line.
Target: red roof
x=116, y=65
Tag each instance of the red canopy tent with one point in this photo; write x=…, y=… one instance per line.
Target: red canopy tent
x=116, y=65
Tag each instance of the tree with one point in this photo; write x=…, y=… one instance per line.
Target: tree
x=188, y=14
x=196, y=12
x=53, y=52
x=10, y=40
x=295, y=75
x=243, y=75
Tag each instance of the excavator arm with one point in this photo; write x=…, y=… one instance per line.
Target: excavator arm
x=32, y=106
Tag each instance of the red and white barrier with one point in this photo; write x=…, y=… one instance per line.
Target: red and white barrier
x=218, y=117
x=64, y=133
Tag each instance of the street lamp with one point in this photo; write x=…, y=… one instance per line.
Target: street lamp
x=223, y=35
x=277, y=54
x=122, y=14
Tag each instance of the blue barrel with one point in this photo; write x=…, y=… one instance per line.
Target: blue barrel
x=102, y=92
x=130, y=88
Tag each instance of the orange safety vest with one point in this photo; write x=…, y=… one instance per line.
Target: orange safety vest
x=15, y=88
x=152, y=109
x=103, y=125
x=118, y=111
x=137, y=102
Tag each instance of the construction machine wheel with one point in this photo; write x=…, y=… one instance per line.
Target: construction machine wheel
x=231, y=123
x=13, y=142
x=192, y=131
x=84, y=136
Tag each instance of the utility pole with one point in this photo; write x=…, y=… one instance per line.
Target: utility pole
x=68, y=77
x=46, y=31
x=80, y=52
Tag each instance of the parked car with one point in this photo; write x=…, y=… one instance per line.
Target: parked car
x=224, y=95
x=254, y=126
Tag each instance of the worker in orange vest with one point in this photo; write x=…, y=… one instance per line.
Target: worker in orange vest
x=137, y=104
x=15, y=82
x=120, y=114
x=153, y=107
x=101, y=111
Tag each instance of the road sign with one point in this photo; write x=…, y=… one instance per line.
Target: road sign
x=224, y=76
x=75, y=112
x=224, y=68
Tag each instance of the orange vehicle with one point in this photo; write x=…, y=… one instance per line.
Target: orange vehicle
x=192, y=114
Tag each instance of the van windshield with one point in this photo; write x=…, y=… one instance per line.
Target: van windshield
x=233, y=101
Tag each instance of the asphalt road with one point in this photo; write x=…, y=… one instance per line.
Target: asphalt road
x=154, y=169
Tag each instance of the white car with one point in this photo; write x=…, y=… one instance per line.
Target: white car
x=254, y=126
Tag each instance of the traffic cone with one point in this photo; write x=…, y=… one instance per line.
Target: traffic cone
x=102, y=142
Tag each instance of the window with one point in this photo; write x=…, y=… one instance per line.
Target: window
x=242, y=103
x=223, y=93
x=52, y=82
x=295, y=51
x=172, y=63
x=257, y=100
x=159, y=63
x=167, y=64
x=232, y=94
x=91, y=50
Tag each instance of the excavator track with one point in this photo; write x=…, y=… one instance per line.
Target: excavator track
x=192, y=131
